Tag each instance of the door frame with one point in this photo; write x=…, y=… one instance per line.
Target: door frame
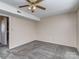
x=7, y=18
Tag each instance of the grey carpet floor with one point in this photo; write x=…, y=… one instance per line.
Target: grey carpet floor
x=40, y=50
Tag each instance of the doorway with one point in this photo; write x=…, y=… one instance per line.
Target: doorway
x=4, y=31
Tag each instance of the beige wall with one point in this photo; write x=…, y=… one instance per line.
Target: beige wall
x=78, y=30
x=21, y=31
x=58, y=29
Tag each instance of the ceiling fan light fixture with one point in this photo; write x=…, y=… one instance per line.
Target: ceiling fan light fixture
x=32, y=7
x=29, y=8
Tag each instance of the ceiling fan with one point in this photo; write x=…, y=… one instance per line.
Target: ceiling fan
x=33, y=5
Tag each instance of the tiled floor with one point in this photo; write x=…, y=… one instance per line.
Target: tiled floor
x=40, y=50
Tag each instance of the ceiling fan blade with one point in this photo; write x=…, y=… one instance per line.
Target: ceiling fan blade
x=34, y=2
x=29, y=1
x=38, y=1
x=23, y=6
x=41, y=7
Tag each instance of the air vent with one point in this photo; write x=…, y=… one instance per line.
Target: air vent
x=18, y=11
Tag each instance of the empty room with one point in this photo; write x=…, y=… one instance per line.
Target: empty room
x=39, y=29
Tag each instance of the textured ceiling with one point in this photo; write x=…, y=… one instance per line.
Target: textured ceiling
x=53, y=7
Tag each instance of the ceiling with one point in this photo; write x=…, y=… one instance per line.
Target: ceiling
x=53, y=7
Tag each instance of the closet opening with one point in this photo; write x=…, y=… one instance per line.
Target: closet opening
x=4, y=31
